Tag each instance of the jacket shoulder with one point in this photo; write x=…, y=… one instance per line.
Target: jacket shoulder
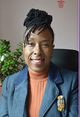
x=70, y=78
x=69, y=74
x=9, y=83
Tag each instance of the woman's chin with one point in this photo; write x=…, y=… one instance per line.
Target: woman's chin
x=37, y=69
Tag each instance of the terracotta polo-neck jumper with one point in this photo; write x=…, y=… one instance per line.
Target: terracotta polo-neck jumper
x=37, y=84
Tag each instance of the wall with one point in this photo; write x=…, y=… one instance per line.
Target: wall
x=13, y=13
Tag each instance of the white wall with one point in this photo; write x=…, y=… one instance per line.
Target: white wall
x=13, y=13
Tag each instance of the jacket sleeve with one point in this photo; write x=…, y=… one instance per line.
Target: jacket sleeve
x=3, y=100
x=73, y=104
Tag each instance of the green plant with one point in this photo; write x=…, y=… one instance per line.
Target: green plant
x=10, y=61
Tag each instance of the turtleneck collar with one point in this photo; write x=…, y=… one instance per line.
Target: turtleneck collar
x=38, y=75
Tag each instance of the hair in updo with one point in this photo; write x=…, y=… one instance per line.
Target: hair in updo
x=37, y=19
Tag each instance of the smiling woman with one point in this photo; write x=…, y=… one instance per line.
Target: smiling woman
x=38, y=51
x=41, y=89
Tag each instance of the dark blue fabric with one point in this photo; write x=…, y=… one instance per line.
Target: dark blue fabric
x=60, y=82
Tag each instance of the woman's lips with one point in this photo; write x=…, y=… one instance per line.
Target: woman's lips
x=37, y=61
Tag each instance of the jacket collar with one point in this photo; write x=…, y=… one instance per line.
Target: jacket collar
x=54, y=75
x=50, y=95
x=22, y=76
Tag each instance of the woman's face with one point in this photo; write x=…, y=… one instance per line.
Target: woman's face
x=37, y=52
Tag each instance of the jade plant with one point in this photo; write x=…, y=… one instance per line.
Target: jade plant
x=10, y=61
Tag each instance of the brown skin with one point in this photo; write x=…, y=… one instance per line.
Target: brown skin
x=38, y=51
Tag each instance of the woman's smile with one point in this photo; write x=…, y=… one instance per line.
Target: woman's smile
x=38, y=51
x=38, y=61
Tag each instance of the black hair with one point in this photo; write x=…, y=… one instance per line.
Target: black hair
x=37, y=19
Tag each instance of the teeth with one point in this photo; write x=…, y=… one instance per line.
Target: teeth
x=37, y=61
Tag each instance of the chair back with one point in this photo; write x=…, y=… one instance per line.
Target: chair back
x=66, y=58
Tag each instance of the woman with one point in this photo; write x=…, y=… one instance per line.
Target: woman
x=40, y=89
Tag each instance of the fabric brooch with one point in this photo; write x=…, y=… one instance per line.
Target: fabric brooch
x=60, y=103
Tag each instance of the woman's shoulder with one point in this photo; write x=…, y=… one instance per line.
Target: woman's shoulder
x=69, y=77
x=66, y=74
x=12, y=78
x=9, y=82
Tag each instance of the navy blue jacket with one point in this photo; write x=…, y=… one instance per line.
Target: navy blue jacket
x=60, y=82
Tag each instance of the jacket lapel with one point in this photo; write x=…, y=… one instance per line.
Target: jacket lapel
x=51, y=91
x=20, y=93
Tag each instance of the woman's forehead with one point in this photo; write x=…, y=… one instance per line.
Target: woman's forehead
x=45, y=34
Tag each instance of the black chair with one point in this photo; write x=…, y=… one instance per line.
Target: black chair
x=66, y=58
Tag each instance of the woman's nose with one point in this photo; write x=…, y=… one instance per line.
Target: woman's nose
x=37, y=49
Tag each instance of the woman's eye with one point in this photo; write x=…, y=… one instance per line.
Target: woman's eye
x=31, y=44
x=45, y=45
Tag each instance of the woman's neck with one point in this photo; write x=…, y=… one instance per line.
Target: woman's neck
x=38, y=75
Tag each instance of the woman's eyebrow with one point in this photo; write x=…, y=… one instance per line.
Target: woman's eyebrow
x=45, y=40
x=42, y=41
